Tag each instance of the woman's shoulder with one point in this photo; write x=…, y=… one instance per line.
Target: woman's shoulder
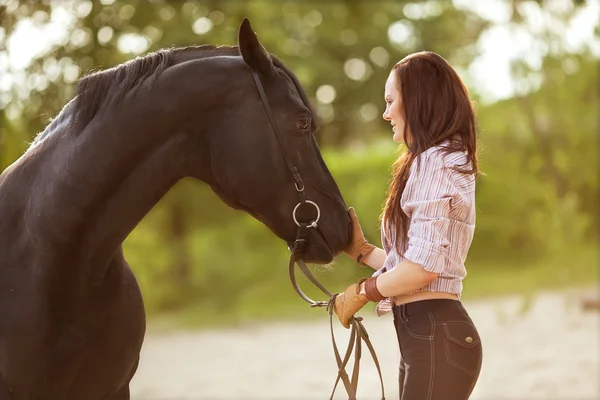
x=437, y=161
x=438, y=157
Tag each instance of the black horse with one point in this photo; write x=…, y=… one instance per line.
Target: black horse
x=72, y=319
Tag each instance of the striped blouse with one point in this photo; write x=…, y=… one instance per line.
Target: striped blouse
x=440, y=204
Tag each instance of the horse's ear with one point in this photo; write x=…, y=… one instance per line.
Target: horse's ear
x=253, y=52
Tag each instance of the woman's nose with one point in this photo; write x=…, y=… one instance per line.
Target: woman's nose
x=386, y=115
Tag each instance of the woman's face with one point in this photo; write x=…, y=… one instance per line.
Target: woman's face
x=393, y=107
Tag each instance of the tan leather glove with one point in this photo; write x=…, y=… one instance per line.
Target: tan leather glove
x=349, y=302
x=359, y=247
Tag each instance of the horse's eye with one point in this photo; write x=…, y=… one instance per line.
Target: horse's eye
x=302, y=124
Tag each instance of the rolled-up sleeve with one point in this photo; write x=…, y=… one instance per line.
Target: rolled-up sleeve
x=427, y=200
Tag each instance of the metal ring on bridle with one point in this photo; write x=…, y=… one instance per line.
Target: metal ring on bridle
x=312, y=224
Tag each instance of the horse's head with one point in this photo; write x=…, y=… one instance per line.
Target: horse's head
x=251, y=160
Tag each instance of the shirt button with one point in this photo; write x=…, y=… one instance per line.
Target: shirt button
x=469, y=339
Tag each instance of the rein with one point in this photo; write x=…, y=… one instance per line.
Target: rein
x=358, y=333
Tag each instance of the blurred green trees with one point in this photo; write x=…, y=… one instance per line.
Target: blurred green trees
x=538, y=198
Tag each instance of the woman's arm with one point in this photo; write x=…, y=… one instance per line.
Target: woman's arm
x=405, y=277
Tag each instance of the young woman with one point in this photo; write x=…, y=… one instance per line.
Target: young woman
x=427, y=227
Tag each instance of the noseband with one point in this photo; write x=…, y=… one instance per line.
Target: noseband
x=358, y=331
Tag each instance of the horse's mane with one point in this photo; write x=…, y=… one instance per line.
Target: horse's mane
x=101, y=89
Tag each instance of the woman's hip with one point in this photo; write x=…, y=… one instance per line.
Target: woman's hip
x=438, y=331
x=440, y=347
x=425, y=319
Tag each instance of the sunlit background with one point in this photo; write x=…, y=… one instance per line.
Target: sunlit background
x=221, y=277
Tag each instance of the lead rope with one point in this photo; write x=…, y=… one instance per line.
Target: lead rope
x=358, y=332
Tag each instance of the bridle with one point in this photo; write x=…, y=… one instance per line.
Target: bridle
x=358, y=331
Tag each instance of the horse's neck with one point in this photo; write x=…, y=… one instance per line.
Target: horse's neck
x=92, y=188
x=87, y=216
x=136, y=195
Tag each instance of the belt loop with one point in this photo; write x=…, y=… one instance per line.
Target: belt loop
x=403, y=315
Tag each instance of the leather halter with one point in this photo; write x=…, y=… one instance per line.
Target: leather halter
x=358, y=331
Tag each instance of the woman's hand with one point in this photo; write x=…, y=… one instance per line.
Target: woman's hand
x=349, y=302
x=359, y=246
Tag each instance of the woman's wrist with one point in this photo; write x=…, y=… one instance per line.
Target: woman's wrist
x=361, y=289
x=368, y=287
x=375, y=259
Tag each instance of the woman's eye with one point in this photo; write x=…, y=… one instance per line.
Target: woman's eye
x=302, y=124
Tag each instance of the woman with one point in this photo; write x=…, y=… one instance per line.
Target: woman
x=427, y=227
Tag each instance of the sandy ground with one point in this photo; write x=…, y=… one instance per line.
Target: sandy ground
x=549, y=351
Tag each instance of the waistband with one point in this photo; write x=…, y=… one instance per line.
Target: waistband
x=430, y=305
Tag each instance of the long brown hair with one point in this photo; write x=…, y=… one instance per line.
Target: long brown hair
x=435, y=107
